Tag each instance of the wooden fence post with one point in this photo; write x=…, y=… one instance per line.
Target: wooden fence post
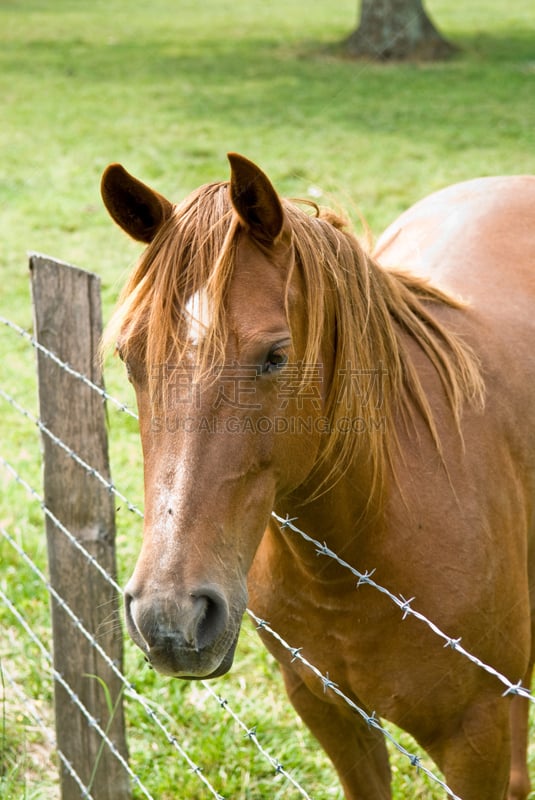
x=67, y=319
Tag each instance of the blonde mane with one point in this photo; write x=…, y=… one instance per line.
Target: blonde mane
x=372, y=310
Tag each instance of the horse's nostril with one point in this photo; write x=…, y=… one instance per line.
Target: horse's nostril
x=212, y=615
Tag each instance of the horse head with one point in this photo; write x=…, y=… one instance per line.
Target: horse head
x=208, y=327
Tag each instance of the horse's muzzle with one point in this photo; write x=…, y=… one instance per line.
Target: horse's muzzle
x=192, y=636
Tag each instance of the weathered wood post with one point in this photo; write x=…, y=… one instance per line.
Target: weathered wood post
x=67, y=320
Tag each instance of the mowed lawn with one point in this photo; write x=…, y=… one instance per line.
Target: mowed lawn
x=168, y=88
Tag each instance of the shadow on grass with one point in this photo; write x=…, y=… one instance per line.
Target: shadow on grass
x=308, y=85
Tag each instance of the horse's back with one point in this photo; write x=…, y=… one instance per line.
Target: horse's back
x=476, y=239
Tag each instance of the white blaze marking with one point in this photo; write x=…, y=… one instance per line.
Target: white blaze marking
x=198, y=316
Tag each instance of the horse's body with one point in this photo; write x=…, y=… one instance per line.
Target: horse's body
x=441, y=506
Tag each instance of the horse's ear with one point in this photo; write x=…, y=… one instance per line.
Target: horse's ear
x=138, y=209
x=255, y=200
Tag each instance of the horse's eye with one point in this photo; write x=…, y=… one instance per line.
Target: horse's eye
x=276, y=360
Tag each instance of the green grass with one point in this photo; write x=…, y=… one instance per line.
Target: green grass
x=167, y=88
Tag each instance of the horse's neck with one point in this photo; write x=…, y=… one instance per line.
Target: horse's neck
x=349, y=513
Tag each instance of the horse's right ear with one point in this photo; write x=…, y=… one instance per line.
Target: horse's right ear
x=135, y=207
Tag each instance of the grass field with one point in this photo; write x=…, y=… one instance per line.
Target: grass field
x=168, y=88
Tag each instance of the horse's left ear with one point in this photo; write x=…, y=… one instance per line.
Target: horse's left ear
x=255, y=200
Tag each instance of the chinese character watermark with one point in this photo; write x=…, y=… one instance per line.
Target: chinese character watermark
x=177, y=390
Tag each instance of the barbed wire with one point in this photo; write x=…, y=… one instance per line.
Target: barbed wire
x=67, y=367
x=59, y=525
x=92, y=722
x=274, y=762
x=370, y=719
x=78, y=624
x=33, y=713
x=322, y=549
x=365, y=578
x=131, y=691
x=70, y=452
x=251, y=735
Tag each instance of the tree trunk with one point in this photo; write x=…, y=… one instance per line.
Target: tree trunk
x=396, y=30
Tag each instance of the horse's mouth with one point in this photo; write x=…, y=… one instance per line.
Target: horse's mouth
x=189, y=664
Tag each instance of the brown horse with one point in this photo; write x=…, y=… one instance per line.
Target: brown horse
x=278, y=365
